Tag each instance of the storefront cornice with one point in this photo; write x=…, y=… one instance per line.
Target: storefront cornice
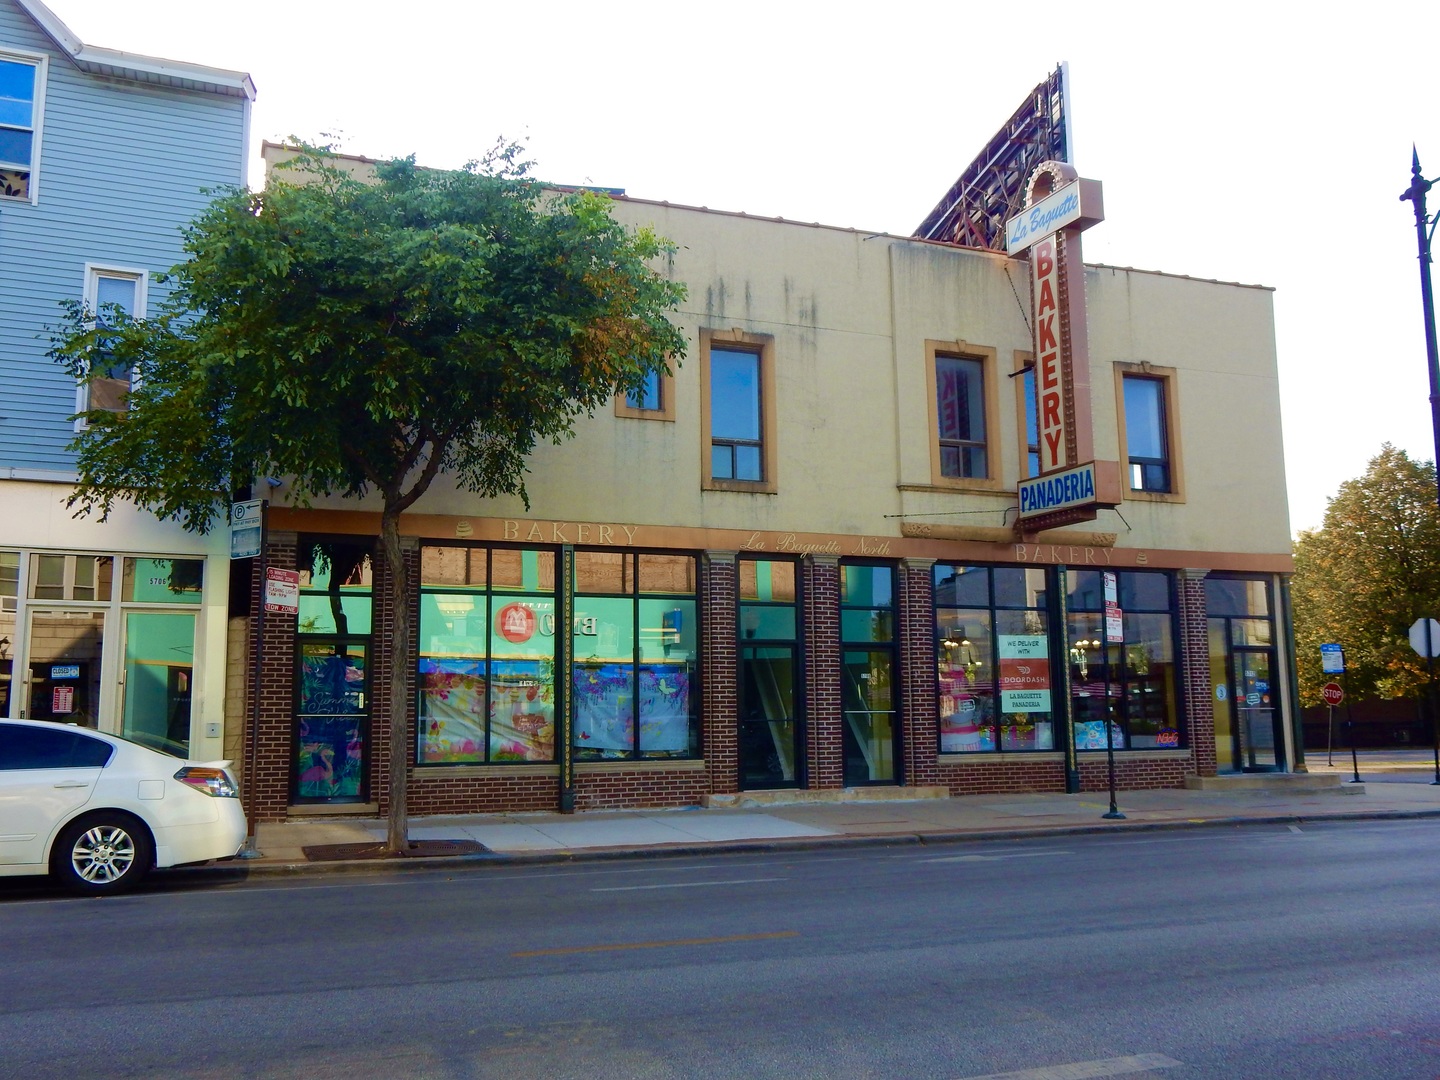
x=1063, y=548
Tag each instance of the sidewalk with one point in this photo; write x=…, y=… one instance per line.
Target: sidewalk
x=549, y=837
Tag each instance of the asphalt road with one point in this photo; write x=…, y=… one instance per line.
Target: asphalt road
x=1261, y=951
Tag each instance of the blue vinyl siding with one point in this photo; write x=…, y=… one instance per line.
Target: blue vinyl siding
x=120, y=173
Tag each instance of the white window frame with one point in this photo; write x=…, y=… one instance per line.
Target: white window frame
x=41, y=63
x=93, y=273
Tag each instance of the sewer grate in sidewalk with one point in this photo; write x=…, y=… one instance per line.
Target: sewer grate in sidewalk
x=418, y=849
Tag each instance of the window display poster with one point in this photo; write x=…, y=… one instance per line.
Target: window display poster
x=605, y=709
x=452, y=711
x=1024, y=673
x=1090, y=735
x=522, y=712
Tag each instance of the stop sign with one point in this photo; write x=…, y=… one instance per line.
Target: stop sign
x=1332, y=693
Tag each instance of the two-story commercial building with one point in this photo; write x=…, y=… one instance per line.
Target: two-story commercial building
x=119, y=625
x=795, y=562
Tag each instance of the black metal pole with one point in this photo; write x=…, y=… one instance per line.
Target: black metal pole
x=1430, y=696
x=1415, y=194
x=1114, y=813
x=250, y=851
x=1350, y=727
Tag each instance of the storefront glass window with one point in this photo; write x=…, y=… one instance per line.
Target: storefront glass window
x=71, y=577
x=9, y=594
x=993, y=654
x=635, y=659
x=487, y=656
x=1134, y=683
x=162, y=581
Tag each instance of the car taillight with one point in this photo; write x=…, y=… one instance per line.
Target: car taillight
x=211, y=781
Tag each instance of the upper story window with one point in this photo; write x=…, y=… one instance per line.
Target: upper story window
x=960, y=404
x=963, y=422
x=1149, y=447
x=735, y=415
x=1029, y=416
x=737, y=373
x=648, y=396
x=110, y=293
x=654, y=400
x=21, y=91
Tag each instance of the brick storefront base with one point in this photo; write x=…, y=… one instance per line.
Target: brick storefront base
x=1048, y=774
x=609, y=790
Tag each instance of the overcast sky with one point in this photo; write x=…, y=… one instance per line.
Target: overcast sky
x=1252, y=142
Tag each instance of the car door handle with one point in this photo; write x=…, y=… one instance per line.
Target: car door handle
x=71, y=784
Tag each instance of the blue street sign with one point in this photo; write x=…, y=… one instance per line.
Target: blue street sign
x=1332, y=659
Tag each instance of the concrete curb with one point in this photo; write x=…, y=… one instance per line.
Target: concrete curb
x=242, y=870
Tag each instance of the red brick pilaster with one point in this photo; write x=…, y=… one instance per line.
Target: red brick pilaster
x=719, y=668
x=824, y=740
x=918, y=718
x=269, y=786
x=1195, y=668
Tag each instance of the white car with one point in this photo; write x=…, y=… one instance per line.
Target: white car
x=99, y=812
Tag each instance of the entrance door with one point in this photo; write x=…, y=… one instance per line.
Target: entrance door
x=869, y=717
x=63, y=675
x=332, y=723
x=771, y=749
x=1262, y=744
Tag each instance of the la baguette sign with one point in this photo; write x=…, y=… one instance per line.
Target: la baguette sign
x=1080, y=203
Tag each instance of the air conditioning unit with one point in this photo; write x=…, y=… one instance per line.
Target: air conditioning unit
x=7, y=603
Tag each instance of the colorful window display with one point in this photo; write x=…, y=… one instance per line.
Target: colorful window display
x=635, y=641
x=486, y=677
x=332, y=715
x=330, y=731
x=995, y=676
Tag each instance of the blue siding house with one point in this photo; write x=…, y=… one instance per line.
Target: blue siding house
x=104, y=157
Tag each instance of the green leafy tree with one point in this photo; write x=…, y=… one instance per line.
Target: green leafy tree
x=1366, y=575
x=365, y=336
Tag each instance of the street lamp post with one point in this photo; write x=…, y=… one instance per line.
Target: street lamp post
x=1416, y=193
x=1424, y=234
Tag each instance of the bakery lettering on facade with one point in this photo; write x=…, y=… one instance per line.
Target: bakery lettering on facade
x=1070, y=555
x=570, y=532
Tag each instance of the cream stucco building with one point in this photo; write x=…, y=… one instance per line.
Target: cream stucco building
x=795, y=564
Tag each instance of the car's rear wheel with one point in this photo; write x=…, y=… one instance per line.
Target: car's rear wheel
x=103, y=854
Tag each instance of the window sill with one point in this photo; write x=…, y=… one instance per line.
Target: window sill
x=482, y=769
x=971, y=487
x=754, y=487
x=332, y=809
x=1131, y=495
x=642, y=764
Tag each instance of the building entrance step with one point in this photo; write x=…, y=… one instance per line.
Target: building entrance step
x=1277, y=783
x=793, y=797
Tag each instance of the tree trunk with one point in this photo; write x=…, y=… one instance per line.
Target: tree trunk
x=398, y=834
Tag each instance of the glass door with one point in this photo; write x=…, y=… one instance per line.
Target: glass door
x=63, y=673
x=770, y=746
x=869, y=720
x=159, y=667
x=1261, y=741
x=332, y=722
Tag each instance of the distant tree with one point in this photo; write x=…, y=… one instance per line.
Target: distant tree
x=369, y=335
x=1366, y=575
